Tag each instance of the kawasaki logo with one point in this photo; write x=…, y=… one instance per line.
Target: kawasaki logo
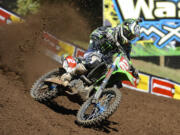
x=161, y=18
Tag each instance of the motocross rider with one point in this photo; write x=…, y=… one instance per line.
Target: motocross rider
x=104, y=42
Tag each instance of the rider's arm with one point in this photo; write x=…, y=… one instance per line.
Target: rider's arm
x=135, y=72
x=132, y=68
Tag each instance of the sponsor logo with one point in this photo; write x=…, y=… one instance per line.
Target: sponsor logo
x=71, y=61
x=8, y=17
x=4, y=16
x=161, y=18
x=79, y=52
x=162, y=87
x=123, y=64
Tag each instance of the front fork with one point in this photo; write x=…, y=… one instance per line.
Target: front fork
x=104, y=83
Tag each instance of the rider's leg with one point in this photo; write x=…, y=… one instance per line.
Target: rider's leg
x=70, y=71
x=92, y=59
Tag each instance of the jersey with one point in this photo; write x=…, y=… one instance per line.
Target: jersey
x=104, y=39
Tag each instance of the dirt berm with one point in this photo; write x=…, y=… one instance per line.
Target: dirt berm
x=22, y=61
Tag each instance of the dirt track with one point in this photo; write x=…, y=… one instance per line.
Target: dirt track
x=22, y=62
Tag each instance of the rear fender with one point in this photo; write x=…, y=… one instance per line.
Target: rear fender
x=55, y=80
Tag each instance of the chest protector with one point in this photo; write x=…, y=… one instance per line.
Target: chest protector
x=105, y=38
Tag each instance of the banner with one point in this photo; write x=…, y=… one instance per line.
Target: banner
x=148, y=83
x=160, y=28
x=56, y=48
x=7, y=17
x=143, y=85
x=162, y=87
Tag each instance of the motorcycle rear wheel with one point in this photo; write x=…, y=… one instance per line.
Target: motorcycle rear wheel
x=100, y=111
x=44, y=91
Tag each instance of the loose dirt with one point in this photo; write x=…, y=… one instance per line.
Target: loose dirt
x=22, y=61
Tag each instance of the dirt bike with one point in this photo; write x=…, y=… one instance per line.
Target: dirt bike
x=103, y=81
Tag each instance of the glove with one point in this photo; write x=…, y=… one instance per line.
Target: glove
x=135, y=72
x=62, y=58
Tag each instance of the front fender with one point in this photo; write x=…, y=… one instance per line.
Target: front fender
x=119, y=75
x=124, y=75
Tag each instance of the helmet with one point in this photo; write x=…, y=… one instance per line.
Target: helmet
x=131, y=28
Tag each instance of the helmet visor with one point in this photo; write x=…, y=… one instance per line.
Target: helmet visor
x=135, y=29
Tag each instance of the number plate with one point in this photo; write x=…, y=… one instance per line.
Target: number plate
x=71, y=61
x=123, y=64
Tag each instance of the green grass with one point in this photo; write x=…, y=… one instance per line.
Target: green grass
x=147, y=67
x=151, y=50
x=165, y=72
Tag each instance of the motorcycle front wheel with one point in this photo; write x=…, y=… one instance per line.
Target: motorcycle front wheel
x=91, y=113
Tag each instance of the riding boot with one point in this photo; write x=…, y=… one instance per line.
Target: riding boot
x=65, y=78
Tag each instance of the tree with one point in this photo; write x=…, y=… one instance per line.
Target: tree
x=25, y=7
